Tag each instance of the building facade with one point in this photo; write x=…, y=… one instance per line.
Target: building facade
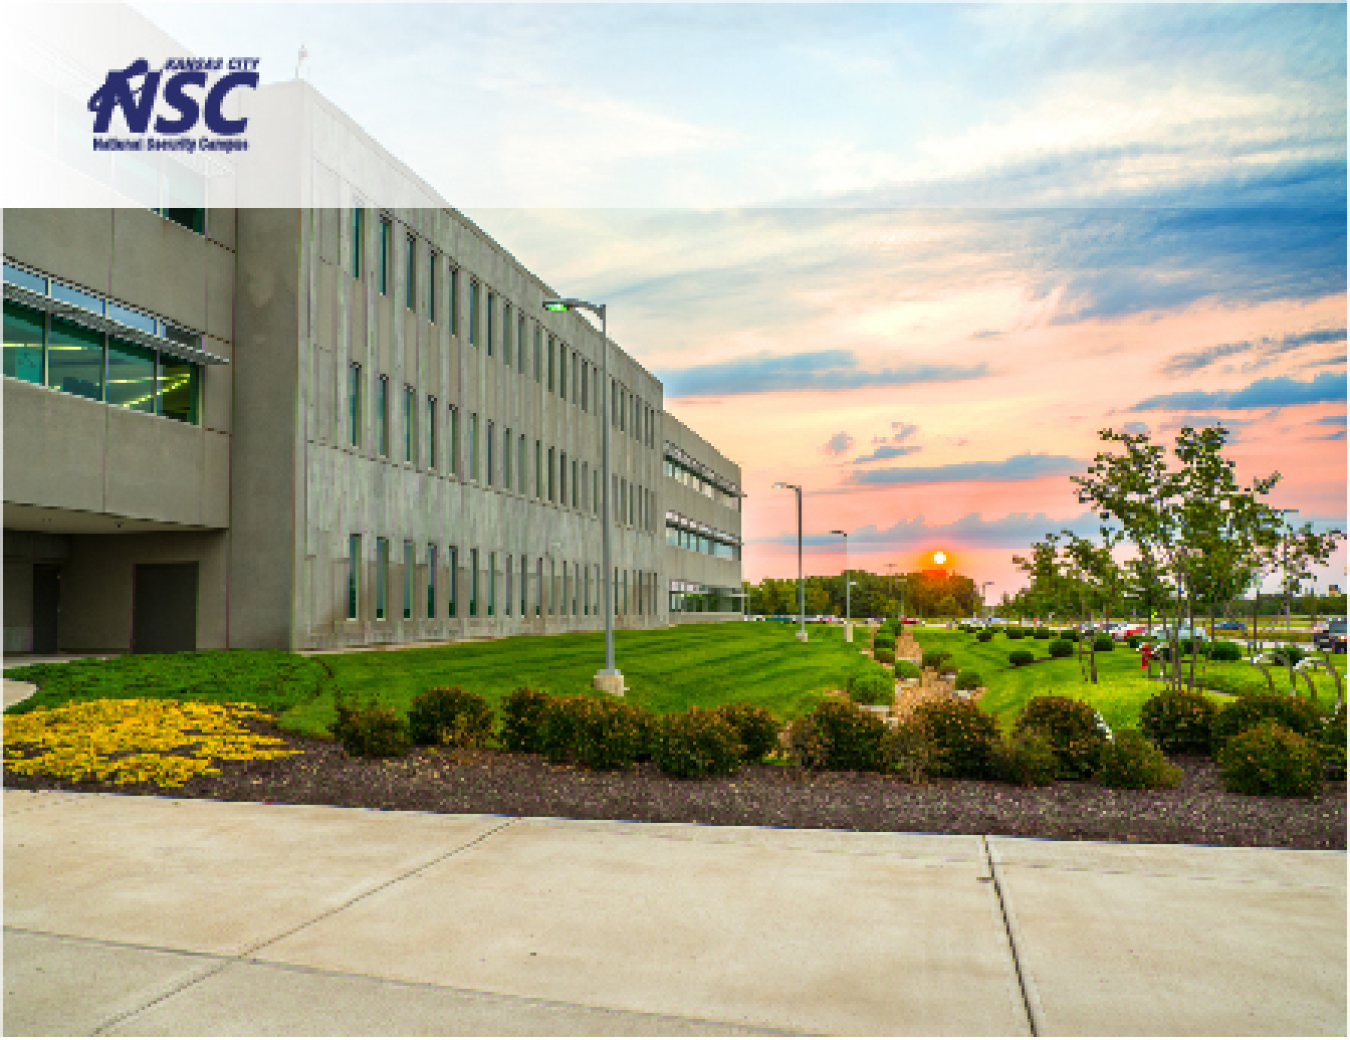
x=337, y=426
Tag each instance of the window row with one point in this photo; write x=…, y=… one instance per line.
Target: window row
x=630, y=414
x=705, y=601
x=49, y=351
x=485, y=584
x=700, y=483
x=701, y=542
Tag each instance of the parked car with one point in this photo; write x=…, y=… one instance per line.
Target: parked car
x=1230, y=626
x=1122, y=632
x=1332, y=638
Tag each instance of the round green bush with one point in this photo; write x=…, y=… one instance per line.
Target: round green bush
x=1014, y=633
x=883, y=643
x=883, y=656
x=984, y=635
x=1060, y=648
x=1074, y=730
x=908, y=670
x=697, y=743
x=1131, y=762
x=873, y=685
x=846, y=737
x=936, y=658
x=969, y=679
x=451, y=716
x=1020, y=657
x=1267, y=758
x=1225, y=650
x=1180, y=722
x=1249, y=709
x=523, y=713
x=1028, y=760
x=372, y=731
x=755, y=727
x=596, y=732
x=1040, y=633
x=1289, y=654
x=1103, y=644
x=1331, y=740
x=1133, y=641
x=963, y=739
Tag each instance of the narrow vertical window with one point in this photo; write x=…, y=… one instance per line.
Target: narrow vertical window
x=431, y=582
x=473, y=313
x=538, y=470
x=433, y=262
x=562, y=479
x=354, y=403
x=410, y=266
x=520, y=456
x=551, y=349
x=506, y=335
x=358, y=218
x=595, y=496
x=491, y=316
x=452, y=311
x=520, y=344
x=552, y=586
x=508, y=572
x=473, y=583
x=382, y=415
x=386, y=234
x=551, y=488
x=539, y=587
x=452, y=448
x=473, y=446
x=576, y=497
x=506, y=462
x=353, y=577
x=409, y=569
x=538, y=352
x=492, y=585
x=431, y=432
x=452, y=582
x=585, y=482
x=586, y=594
x=489, y=472
x=524, y=584
x=562, y=371
x=409, y=409
x=381, y=577
x=576, y=375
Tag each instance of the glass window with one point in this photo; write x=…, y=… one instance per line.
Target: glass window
x=433, y=262
x=520, y=344
x=452, y=582
x=576, y=375
x=409, y=569
x=562, y=478
x=538, y=470
x=539, y=587
x=524, y=584
x=381, y=577
x=78, y=298
x=489, y=472
x=131, y=376
x=506, y=461
x=75, y=360
x=431, y=582
x=473, y=446
x=550, y=363
x=192, y=219
x=508, y=572
x=576, y=498
x=409, y=406
x=386, y=244
x=382, y=415
x=585, y=380
x=585, y=477
x=431, y=433
x=562, y=371
x=538, y=352
x=492, y=585
x=473, y=313
x=410, y=273
x=26, y=279
x=358, y=220
x=491, y=326
x=179, y=389
x=506, y=335
x=452, y=311
x=550, y=476
x=473, y=583
x=453, y=460
x=595, y=497
x=353, y=576
x=520, y=456
x=25, y=330
x=134, y=319
x=552, y=585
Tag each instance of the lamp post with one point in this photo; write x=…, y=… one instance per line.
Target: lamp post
x=984, y=607
x=801, y=584
x=1288, y=593
x=609, y=679
x=848, y=591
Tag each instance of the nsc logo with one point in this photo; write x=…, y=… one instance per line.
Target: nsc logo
x=189, y=94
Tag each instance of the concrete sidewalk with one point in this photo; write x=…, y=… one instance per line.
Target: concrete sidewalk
x=154, y=916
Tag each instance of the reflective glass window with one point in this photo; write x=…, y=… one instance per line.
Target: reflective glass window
x=78, y=298
x=18, y=276
x=131, y=376
x=25, y=330
x=179, y=391
x=75, y=360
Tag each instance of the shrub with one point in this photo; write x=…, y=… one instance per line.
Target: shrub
x=873, y=685
x=908, y=670
x=755, y=727
x=1132, y=762
x=1060, y=648
x=697, y=743
x=1248, y=709
x=1180, y=722
x=595, y=732
x=1103, y=644
x=1021, y=657
x=1225, y=650
x=1270, y=759
x=1040, y=633
x=883, y=656
x=969, y=679
x=1074, y=730
x=1133, y=641
x=451, y=716
x=372, y=731
x=906, y=752
x=1287, y=655
x=936, y=658
x=1331, y=741
x=839, y=735
x=962, y=738
x=984, y=635
x=523, y=713
x=880, y=642
x=1013, y=633
x=1027, y=759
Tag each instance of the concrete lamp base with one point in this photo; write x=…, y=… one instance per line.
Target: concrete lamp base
x=848, y=632
x=801, y=636
x=610, y=683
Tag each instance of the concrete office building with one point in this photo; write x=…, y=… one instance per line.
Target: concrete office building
x=325, y=427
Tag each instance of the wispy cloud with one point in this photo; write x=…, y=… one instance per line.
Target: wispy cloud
x=818, y=370
x=1015, y=530
x=1019, y=467
x=1194, y=361
x=889, y=451
x=838, y=444
x=1275, y=392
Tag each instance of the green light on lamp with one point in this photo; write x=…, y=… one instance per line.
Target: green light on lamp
x=555, y=305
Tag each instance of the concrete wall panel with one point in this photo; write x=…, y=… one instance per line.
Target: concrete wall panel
x=219, y=295
x=54, y=448
x=155, y=468
x=75, y=243
x=160, y=265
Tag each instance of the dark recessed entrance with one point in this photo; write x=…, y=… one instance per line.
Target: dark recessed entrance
x=164, y=608
x=46, y=607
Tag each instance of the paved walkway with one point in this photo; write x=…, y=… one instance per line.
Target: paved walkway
x=153, y=916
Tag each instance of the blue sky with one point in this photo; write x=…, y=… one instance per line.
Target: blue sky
x=997, y=228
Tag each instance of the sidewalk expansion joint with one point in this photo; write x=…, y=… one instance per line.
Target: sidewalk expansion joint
x=1031, y=1000
x=248, y=951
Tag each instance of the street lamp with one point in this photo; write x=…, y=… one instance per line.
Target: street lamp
x=848, y=591
x=609, y=679
x=1288, y=595
x=984, y=607
x=801, y=586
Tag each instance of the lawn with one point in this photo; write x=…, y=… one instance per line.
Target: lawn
x=666, y=670
x=1121, y=688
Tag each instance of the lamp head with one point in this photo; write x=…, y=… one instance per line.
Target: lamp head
x=779, y=484
x=559, y=306
x=844, y=533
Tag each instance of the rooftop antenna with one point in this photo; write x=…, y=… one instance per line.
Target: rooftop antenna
x=300, y=60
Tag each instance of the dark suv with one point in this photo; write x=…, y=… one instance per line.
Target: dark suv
x=1332, y=637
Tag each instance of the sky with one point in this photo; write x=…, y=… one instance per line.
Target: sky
x=910, y=257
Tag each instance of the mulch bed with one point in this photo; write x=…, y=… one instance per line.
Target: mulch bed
x=1196, y=811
